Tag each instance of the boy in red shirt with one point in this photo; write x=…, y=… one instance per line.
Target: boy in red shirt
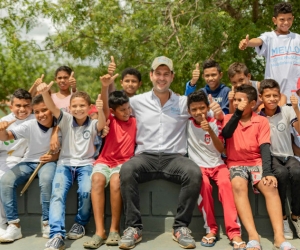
x=247, y=138
x=119, y=148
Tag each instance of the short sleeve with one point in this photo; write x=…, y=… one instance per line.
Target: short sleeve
x=262, y=50
x=264, y=134
x=21, y=131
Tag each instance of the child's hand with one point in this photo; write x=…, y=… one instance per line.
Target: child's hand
x=39, y=80
x=4, y=125
x=99, y=103
x=204, y=124
x=242, y=105
x=294, y=101
x=244, y=43
x=195, y=75
x=54, y=144
x=112, y=66
x=105, y=130
x=44, y=88
x=214, y=106
x=107, y=79
x=231, y=94
x=45, y=158
x=72, y=81
x=270, y=180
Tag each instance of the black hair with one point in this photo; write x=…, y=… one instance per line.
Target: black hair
x=282, y=8
x=132, y=71
x=209, y=63
x=37, y=99
x=20, y=94
x=268, y=84
x=117, y=98
x=197, y=96
x=63, y=68
x=249, y=90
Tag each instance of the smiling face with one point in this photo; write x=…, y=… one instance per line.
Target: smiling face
x=196, y=109
x=122, y=112
x=130, y=84
x=21, y=108
x=283, y=22
x=212, y=77
x=62, y=80
x=270, y=97
x=161, y=78
x=79, y=108
x=42, y=114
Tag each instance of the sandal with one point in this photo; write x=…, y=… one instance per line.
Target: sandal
x=238, y=244
x=254, y=244
x=208, y=243
x=95, y=242
x=284, y=246
x=113, y=239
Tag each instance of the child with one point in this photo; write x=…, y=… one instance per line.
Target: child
x=118, y=149
x=280, y=49
x=238, y=74
x=12, y=151
x=37, y=132
x=75, y=163
x=285, y=167
x=212, y=75
x=247, y=138
x=205, y=146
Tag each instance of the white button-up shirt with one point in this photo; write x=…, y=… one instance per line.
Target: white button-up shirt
x=160, y=129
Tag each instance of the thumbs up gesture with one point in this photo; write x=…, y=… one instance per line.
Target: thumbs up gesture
x=242, y=104
x=99, y=103
x=244, y=43
x=44, y=88
x=204, y=124
x=195, y=75
x=4, y=125
x=38, y=81
x=231, y=94
x=107, y=79
x=214, y=106
x=294, y=101
x=72, y=81
x=112, y=66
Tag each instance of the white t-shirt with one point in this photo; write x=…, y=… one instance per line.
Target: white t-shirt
x=282, y=54
x=12, y=151
x=37, y=136
x=77, y=148
x=201, y=148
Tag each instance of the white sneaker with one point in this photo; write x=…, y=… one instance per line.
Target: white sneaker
x=288, y=233
x=46, y=231
x=297, y=225
x=12, y=233
x=3, y=229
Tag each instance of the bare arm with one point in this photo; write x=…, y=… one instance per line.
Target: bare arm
x=5, y=134
x=33, y=88
x=101, y=117
x=254, y=42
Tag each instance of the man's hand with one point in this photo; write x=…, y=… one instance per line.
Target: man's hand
x=242, y=105
x=244, y=43
x=44, y=88
x=72, y=81
x=112, y=66
x=204, y=124
x=195, y=75
x=39, y=81
x=294, y=101
x=107, y=79
x=4, y=125
x=105, y=130
x=99, y=103
x=231, y=94
x=270, y=180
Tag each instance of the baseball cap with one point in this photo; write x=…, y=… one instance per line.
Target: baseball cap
x=162, y=60
x=93, y=110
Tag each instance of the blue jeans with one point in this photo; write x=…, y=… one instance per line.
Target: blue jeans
x=63, y=180
x=19, y=175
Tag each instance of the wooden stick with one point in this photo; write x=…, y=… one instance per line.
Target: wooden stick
x=33, y=175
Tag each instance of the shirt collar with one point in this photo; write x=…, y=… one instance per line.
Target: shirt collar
x=262, y=112
x=45, y=129
x=172, y=95
x=86, y=122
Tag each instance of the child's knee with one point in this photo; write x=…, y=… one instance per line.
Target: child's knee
x=98, y=181
x=239, y=185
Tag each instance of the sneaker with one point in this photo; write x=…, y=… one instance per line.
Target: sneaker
x=56, y=243
x=130, y=237
x=12, y=233
x=296, y=224
x=183, y=237
x=77, y=231
x=46, y=231
x=288, y=233
x=3, y=229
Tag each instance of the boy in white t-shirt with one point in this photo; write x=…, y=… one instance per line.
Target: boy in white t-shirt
x=12, y=151
x=37, y=133
x=280, y=48
x=75, y=163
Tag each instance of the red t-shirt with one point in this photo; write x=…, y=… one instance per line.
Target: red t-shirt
x=243, y=147
x=119, y=143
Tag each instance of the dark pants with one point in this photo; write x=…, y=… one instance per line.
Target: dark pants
x=171, y=167
x=288, y=170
